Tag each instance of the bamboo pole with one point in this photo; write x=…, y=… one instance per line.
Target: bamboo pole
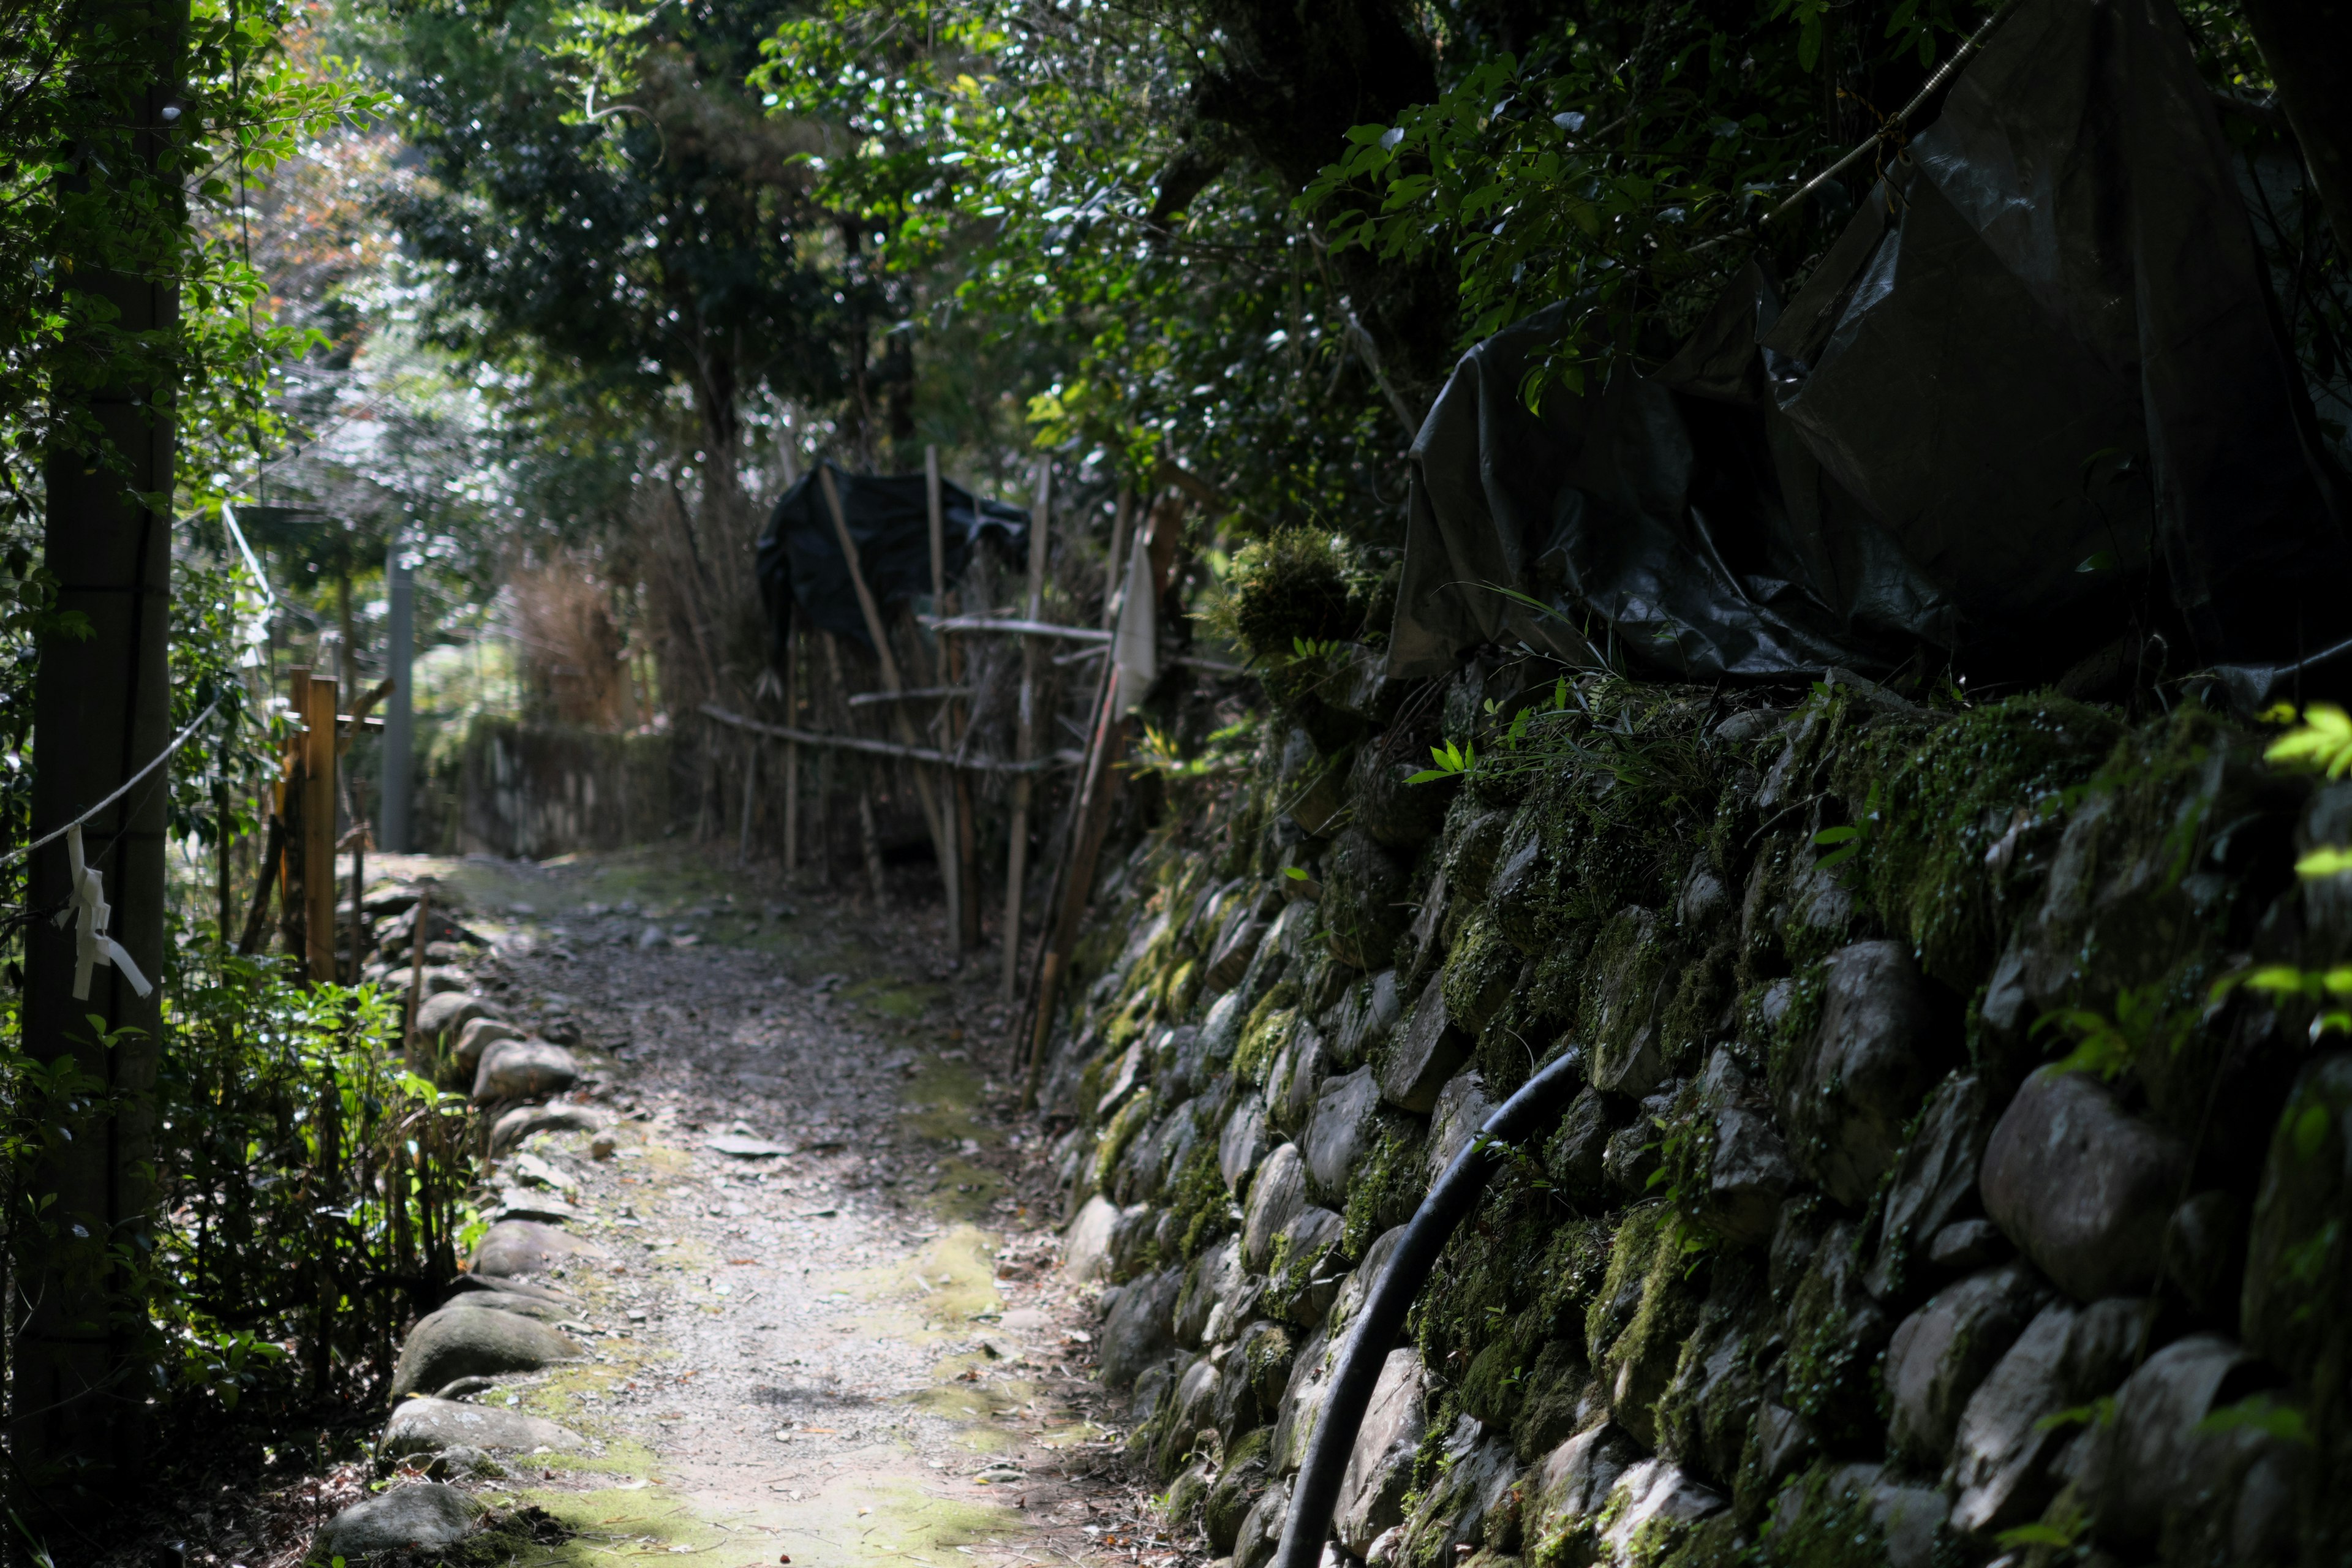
x=750, y=788
x=951, y=861
x=1017, y=857
x=868, y=840
x=881, y=636
x=923, y=754
x=792, y=756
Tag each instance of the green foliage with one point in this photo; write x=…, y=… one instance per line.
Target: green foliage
x=1296, y=587
x=1204, y=1208
x=2321, y=744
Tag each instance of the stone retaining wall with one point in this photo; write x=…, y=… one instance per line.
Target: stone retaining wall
x=1958, y=1174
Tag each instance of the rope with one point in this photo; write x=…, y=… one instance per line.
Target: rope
x=52, y=836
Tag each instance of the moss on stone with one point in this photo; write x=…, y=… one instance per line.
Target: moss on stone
x=1203, y=1207
x=1125, y=1123
x=1388, y=1185
x=1481, y=971
x=1932, y=797
x=1817, y=1524
x=1265, y=1031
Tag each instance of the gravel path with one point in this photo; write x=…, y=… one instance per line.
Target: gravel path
x=858, y=1350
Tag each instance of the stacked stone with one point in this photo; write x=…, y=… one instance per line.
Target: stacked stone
x=1953, y=1200
x=505, y=1315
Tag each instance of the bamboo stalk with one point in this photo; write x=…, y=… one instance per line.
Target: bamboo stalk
x=791, y=757
x=881, y=636
x=951, y=857
x=1017, y=857
x=1015, y=625
x=751, y=786
x=868, y=841
x=821, y=740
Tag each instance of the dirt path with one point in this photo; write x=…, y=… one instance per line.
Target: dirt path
x=861, y=1351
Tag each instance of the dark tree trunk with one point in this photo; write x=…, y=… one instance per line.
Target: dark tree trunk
x=2308, y=46
x=102, y=711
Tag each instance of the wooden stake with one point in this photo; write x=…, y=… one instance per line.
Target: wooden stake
x=869, y=842
x=1017, y=857
x=951, y=856
x=319, y=828
x=881, y=636
x=751, y=786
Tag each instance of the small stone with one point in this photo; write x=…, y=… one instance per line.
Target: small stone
x=1652, y=1499
x=463, y=1463
x=602, y=1146
x=1935, y=1181
x=1462, y=1110
x=739, y=1146
x=2082, y=1187
x=1573, y=1482
x=2002, y=1452
x=1244, y=1141
x=426, y=1517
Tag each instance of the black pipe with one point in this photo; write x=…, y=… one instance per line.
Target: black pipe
x=1374, y=1332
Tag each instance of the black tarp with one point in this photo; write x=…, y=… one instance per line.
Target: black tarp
x=800, y=561
x=2034, y=397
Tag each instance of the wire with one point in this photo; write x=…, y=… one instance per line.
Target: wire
x=60, y=831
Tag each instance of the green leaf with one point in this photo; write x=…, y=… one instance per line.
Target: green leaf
x=2310, y=1133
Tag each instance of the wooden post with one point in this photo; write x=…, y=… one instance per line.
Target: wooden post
x=881, y=636
x=420, y=931
x=951, y=859
x=792, y=755
x=1025, y=737
x=319, y=827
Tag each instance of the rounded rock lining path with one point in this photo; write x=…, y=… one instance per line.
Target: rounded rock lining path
x=862, y=1349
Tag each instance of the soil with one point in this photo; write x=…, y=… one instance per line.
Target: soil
x=861, y=1351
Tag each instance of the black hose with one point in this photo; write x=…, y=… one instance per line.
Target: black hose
x=1374, y=1332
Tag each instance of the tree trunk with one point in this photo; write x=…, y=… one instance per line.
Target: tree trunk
x=2308, y=45
x=102, y=711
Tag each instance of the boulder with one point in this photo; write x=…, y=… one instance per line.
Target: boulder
x=426, y=1517
x=2001, y=1451
x=1360, y=1280
x=1522, y=892
x=1653, y=1500
x=1306, y=1245
x=1367, y=891
x=1429, y=1051
x=1277, y=1196
x=1575, y=1155
x=1244, y=1142
x=2080, y=1186
x=523, y=1070
x=1291, y=1093
x=1141, y=1328
x=2156, y=1469
x=1339, y=1132
x=1130, y=1237
x=1748, y=1178
x=428, y=1425
x=1086, y=1250
x=1220, y=1035
x=1313, y=786
x=1379, y=1465
x=1935, y=1181
x=1261, y=1532
x=1630, y=973
x=1301, y=1403
x=1367, y=1015
x=475, y=1038
x=1967, y=1244
x=465, y=1340
x=518, y=1124
x=1210, y=1278
x=1475, y=1475
x=525, y=1246
x=1907, y=1516
x=1942, y=1352
x=1462, y=1110
x=446, y=1013
x=1846, y=1094
x=2294, y=1252
x=1573, y=1482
